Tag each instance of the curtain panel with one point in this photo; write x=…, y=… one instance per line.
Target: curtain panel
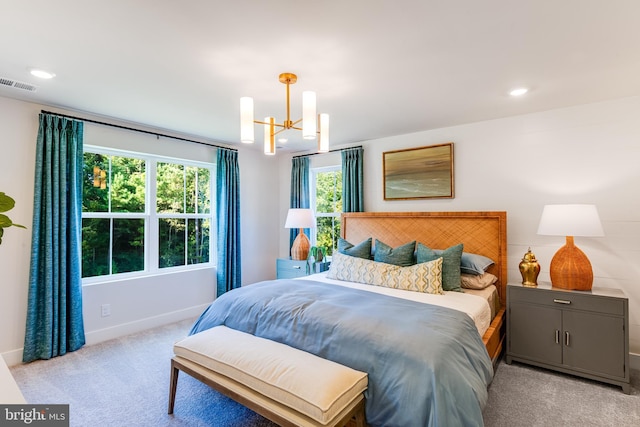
x=54, y=323
x=300, y=197
x=352, y=180
x=229, y=271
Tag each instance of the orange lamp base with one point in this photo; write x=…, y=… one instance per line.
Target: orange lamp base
x=300, y=247
x=570, y=268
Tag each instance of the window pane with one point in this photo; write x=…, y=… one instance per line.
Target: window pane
x=128, y=245
x=204, y=191
x=95, y=247
x=95, y=195
x=198, y=249
x=329, y=192
x=191, y=188
x=327, y=233
x=127, y=184
x=171, y=235
x=170, y=190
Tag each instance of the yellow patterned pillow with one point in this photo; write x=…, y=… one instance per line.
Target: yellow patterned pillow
x=424, y=277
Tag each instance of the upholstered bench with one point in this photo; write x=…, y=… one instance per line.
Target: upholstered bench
x=286, y=385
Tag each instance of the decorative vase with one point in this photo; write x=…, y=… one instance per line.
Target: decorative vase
x=529, y=269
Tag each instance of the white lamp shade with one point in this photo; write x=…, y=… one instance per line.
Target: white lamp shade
x=323, y=142
x=309, y=127
x=246, y=120
x=269, y=143
x=300, y=218
x=570, y=220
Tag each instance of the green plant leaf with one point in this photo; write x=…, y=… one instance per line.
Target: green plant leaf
x=5, y=221
x=6, y=202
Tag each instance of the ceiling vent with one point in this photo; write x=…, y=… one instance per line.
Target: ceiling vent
x=18, y=85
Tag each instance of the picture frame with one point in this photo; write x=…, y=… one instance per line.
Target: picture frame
x=419, y=173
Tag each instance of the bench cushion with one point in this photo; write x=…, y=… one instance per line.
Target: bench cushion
x=313, y=386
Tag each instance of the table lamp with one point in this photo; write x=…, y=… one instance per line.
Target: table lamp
x=300, y=218
x=570, y=268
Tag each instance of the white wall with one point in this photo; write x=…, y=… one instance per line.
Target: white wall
x=19, y=128
x=584, y=154
x=136, y=303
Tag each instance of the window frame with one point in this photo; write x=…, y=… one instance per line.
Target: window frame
x=152, y=218
x=313, y=172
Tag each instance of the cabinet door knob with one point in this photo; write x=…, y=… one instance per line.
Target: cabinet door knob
x=297, y=267
x=557, y=336
x=561, y=301
x=566, y=339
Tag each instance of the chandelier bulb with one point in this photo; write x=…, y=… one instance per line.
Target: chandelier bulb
x=246, y=120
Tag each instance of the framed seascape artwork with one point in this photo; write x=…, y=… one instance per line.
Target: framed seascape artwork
x=418, y=173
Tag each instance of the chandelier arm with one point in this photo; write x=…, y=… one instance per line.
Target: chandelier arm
x=258, y=122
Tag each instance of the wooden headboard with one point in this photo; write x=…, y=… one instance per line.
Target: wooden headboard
x=483, y=233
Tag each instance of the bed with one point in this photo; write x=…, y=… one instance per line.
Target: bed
x=483, y=233
x=427, y=364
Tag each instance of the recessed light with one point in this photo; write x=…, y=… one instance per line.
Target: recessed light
x=519, y=91
x=283, y=140
x=42, y=74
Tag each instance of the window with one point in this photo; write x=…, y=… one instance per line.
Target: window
x=142, y=213
x=326, y=202
x=184, y=211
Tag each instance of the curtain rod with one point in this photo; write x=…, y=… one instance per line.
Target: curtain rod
x=156, y=134
x=330, y=151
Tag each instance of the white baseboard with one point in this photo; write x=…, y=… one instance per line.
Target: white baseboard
x=634, y=361
x=14, y=357
x=124, y=329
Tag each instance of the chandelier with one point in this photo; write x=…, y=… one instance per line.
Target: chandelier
x=312, y=127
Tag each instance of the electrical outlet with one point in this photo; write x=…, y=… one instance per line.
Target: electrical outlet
x=106, y=310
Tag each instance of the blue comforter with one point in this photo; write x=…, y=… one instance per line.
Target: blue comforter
x=427, y=365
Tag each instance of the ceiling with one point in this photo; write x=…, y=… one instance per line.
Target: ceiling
x=380, y=68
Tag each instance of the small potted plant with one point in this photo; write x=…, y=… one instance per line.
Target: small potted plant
x=6, y=204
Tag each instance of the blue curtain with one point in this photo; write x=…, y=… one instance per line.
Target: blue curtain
x=229, y=274
x=299, y=191
x=352, y=186
x=54, y=312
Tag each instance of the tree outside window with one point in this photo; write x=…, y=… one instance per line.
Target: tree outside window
x=326, y=200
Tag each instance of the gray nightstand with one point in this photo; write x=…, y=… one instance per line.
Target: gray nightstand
x=584, y=333
x=287, y=268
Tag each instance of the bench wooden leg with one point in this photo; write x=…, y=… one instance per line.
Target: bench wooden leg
x=360, y=419
x=173, y=385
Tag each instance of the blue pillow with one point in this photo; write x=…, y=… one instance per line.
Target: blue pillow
x=474, y=263
x=450, y=264
x=361, y=250
x=401, y=256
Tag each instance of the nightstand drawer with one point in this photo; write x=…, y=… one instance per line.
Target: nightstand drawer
x=568, y=300
x=289, y=269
